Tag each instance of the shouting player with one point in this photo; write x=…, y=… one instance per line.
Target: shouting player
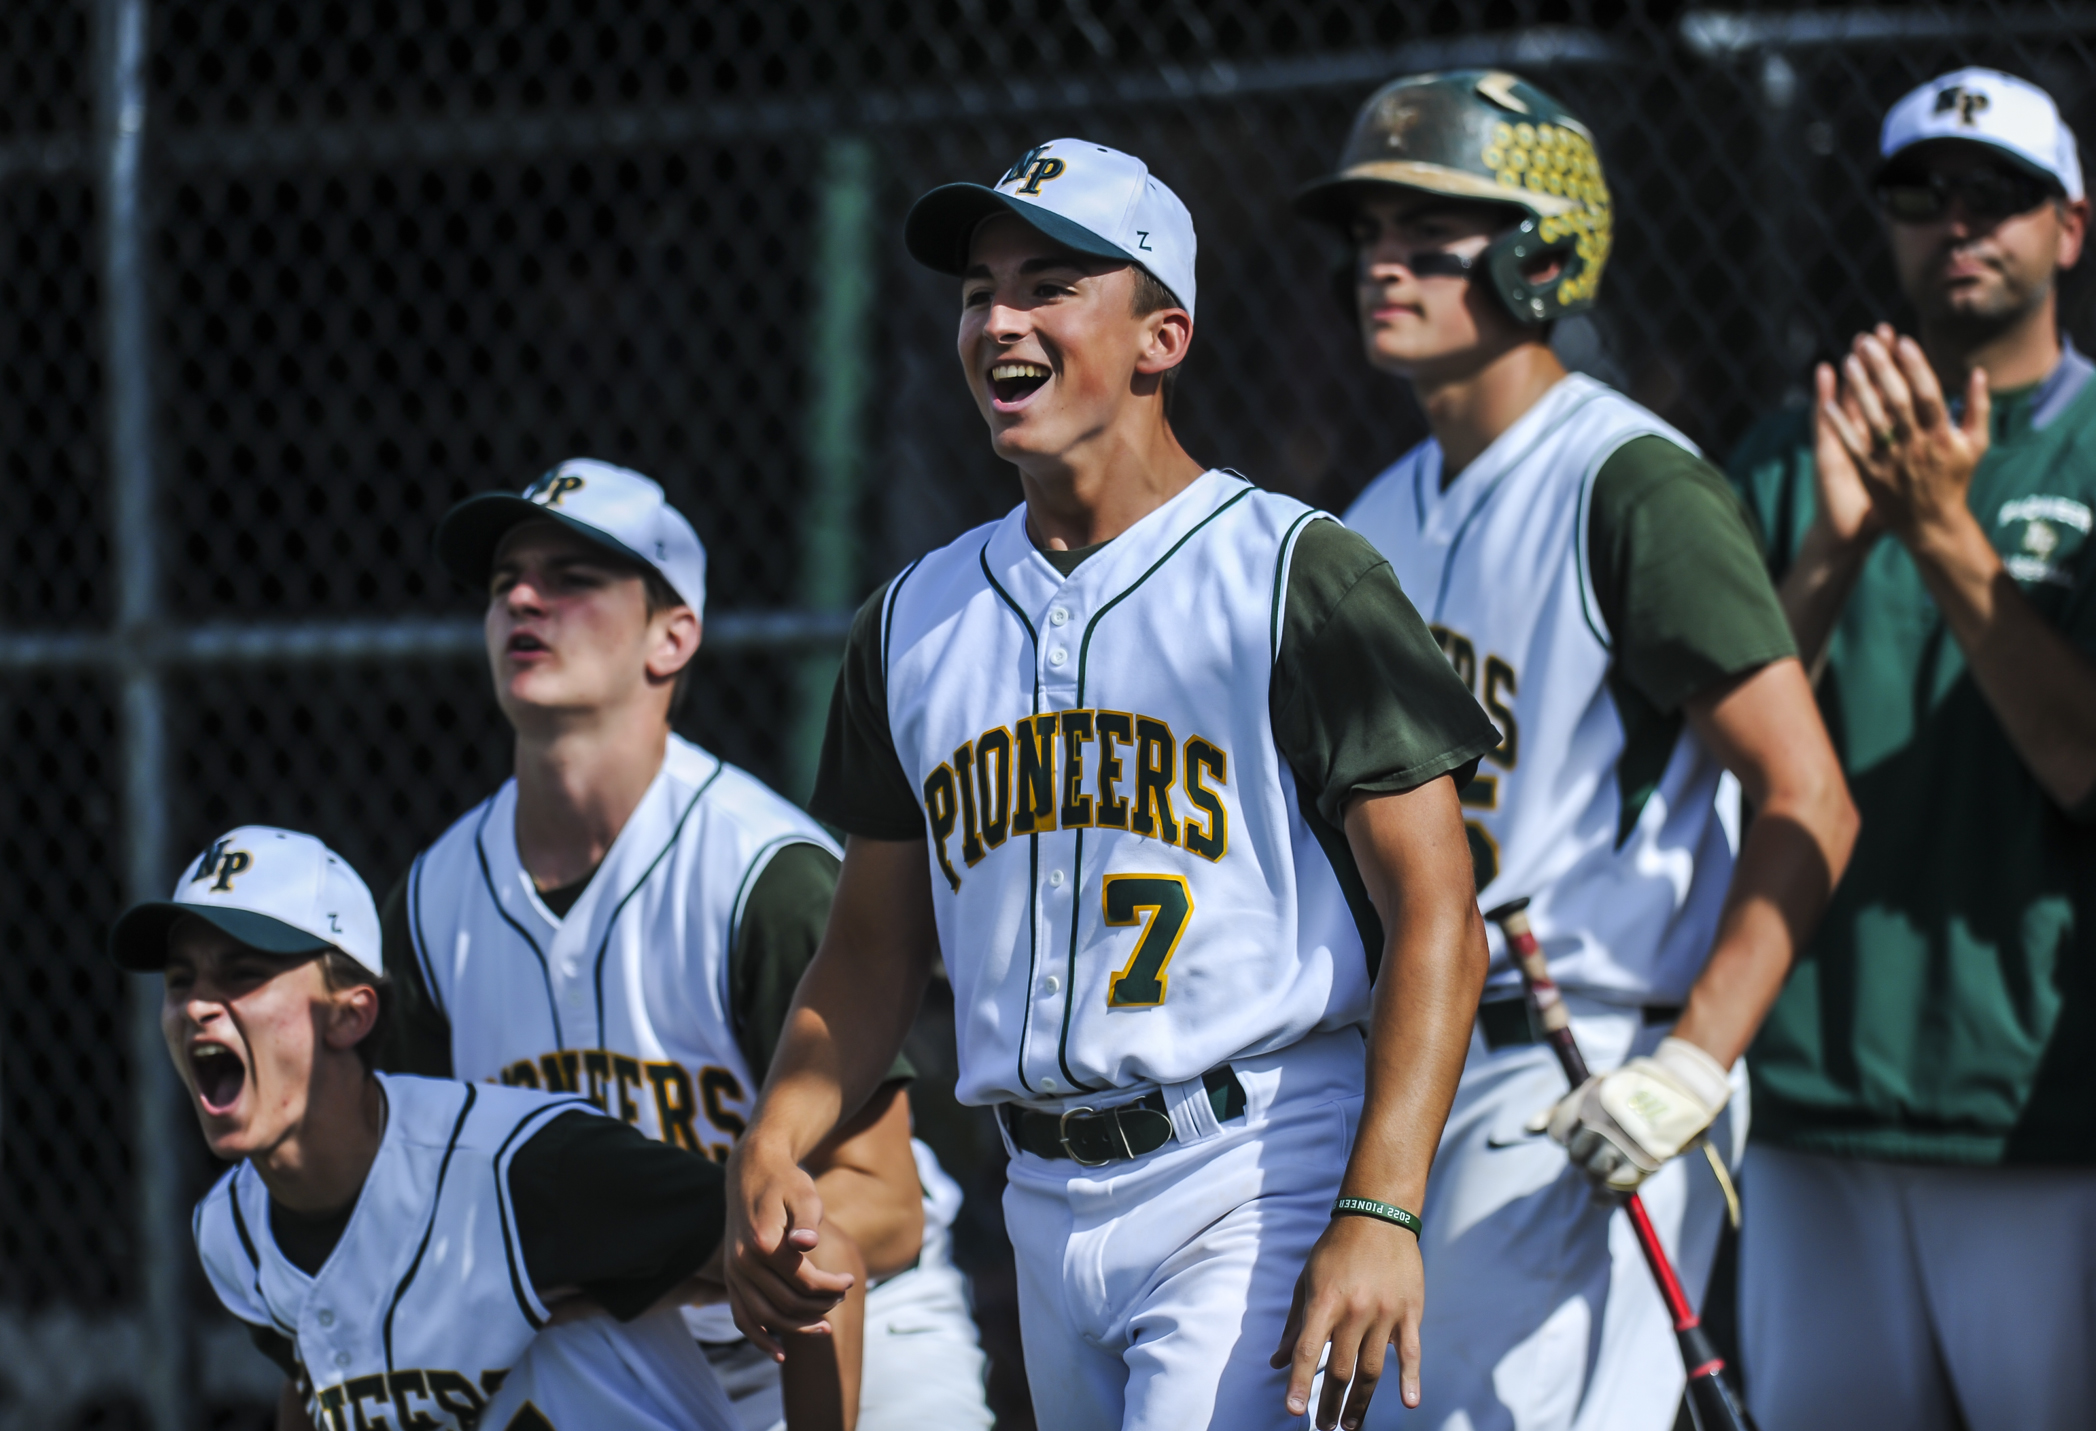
x=1594, y=582
x=397, y=1245
x=627, y=917
x=1166, y=767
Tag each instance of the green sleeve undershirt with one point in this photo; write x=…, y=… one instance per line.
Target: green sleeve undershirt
x=1683, y=593
x=1362, y=700
x=782, y=924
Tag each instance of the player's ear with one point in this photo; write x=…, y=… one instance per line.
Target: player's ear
x=673, y=639
x=352, y=1013
x=1167, y=334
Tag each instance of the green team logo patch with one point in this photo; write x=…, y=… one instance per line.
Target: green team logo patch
x=2038, y=537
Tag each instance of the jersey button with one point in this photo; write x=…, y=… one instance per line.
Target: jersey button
x=342, y=1358
x=1047, y=1085
x=1052, y=984
x=1059, y=617
x=326, y=1318
x=1058, y=656
x=1055, y=877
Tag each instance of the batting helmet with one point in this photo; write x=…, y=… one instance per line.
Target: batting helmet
x=1492, y=136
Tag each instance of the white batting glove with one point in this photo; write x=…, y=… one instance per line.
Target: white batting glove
x=1620, y=1127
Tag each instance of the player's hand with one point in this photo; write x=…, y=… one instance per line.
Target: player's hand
x=1621, y=1127
x=1362, y=1290
x=1895, y=425
x=774, y=1217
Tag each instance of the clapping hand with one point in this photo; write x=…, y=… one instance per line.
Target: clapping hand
x=1888, y=453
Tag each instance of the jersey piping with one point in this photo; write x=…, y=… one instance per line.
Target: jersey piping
x=1282, y=562
x=419, y=941
x=487, y=878
x=528, y=1302
x=760, y=862
x=1484, y=498
x=612, y=923
x=1033, y=838
x=458, y=1127
x=254, y=1254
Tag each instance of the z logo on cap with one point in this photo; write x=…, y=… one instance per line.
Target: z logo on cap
x=1035, y=168
x=1969, y=103
x=549, y=490
x=224, y=862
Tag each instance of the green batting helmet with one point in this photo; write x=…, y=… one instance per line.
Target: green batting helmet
x=1492, y=136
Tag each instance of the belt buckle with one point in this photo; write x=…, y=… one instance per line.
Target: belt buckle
x=1062, y=1134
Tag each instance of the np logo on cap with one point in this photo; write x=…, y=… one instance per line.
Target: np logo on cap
x=1085, y=196
x=274, y=890
x=614, y=507
x=2010, y=116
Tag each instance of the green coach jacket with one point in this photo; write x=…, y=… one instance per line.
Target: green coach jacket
x=1945, y=1011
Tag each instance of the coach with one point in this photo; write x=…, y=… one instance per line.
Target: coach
x=1920, y=1244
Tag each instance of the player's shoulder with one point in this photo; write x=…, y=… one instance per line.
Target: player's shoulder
x=1379, y=501
x=448, y=1116
x=458, y=839
x=735, y=803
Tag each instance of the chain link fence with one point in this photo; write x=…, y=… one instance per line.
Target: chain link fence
x=281, y=281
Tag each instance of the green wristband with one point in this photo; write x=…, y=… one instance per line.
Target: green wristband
x=1388, y=1212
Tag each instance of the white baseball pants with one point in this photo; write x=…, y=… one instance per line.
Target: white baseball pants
x=1153, y=1291
x=1541, y=1314
x=1928, y=1298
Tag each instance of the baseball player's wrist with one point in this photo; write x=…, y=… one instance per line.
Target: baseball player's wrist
x=1345, y=1206
x=1696, y=1070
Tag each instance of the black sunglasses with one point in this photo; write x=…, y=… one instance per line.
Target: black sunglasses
x=1986, y=193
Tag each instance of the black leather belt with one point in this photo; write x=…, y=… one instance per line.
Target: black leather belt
x=1094, y=1136
x=1506, y=1022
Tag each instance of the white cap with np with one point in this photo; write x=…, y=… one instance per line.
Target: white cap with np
x=1981, y=106
x=274, y=890
x=614, y=507
x=1083, y=195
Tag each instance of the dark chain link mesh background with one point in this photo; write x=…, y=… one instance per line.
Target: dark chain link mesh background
x=401, y=252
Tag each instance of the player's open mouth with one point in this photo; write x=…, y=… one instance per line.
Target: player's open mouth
x=218, y=1075
x=1015, y=382
x=524, y=641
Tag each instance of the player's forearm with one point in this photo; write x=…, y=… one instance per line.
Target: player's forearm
x=857, y=1001
x=1766, y=730
x=819, y=1382
x=2041, y=688
x=1414, y=857
x=1816, y=589
x=1426, y=1002
x=867, y=1178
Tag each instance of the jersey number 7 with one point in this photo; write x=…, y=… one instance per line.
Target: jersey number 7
x=1169, y=904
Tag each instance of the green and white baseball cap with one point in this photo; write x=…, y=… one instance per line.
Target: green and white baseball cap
x=1083, y=195
x=274, y=890
x=615, y=507
x=1982, y=106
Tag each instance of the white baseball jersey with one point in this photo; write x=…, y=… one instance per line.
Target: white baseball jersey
x=425, y=1306
x=1125, y=886
x=625, y=1000
x=1498, y=565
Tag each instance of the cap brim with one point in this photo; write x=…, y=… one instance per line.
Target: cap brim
x=1905, y=155
x=467, y=538
x=943, y=222
x=1333, y=199
x=138, y=941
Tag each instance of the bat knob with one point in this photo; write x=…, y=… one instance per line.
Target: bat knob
x=1503, y=912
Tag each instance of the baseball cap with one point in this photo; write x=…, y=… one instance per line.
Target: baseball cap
x=273, y=890
x=1083, y=195
x=1981, y=106
x=615, y=507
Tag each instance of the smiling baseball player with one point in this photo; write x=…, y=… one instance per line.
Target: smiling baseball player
x=398, y=1245
x=1595, y=583
x=1165, y=766
x=626, y=919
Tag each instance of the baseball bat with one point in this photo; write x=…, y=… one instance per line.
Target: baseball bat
x=1710, y=1397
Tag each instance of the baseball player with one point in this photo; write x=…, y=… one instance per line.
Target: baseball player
x=1595, y=584
x=627, y=917
x=399, y=1245
x=1166, y=767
